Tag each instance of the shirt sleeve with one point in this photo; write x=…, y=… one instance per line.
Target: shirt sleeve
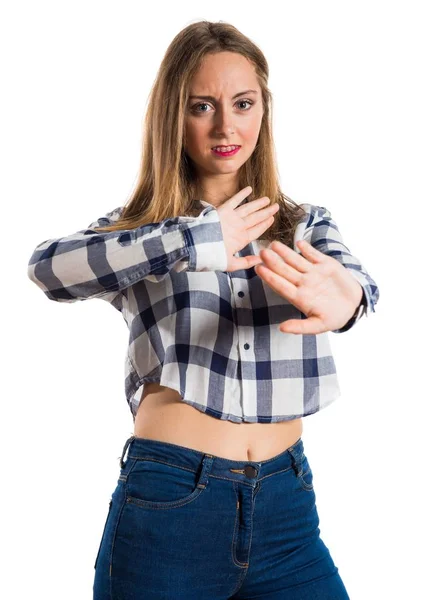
x=322, y=232
x=96, y=264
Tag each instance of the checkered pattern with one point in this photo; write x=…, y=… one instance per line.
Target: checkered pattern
x=209, y=334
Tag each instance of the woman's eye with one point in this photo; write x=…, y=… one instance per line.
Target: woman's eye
x=198, y=105
x=243, y=101
x=195, y=107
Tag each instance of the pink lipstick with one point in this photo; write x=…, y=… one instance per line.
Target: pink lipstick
x=223, y=154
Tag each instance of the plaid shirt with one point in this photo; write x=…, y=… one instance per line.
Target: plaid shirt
x=210, y=334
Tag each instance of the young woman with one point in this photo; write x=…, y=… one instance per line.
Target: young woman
x=218, y=276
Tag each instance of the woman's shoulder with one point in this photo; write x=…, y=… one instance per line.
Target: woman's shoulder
x=313, y=215
x=313, y=210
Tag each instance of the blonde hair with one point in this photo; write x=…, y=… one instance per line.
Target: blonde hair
x=167, y=181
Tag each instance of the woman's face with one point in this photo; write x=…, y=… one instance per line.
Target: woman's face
x=231, y=117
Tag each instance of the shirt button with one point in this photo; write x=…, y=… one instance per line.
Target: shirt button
x=246, y=346
x=240, y=294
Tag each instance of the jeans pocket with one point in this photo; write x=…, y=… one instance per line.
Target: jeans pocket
x=103, y=532
x=305, y=475
x=157, y=484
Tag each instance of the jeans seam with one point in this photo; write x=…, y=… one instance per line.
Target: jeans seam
x=237, y=563
x=111, y=553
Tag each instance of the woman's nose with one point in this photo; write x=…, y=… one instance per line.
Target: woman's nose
x=224, y=121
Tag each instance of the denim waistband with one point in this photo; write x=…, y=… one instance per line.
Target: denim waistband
x=236, y=470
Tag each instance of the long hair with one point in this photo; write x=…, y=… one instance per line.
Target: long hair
x=167, y=182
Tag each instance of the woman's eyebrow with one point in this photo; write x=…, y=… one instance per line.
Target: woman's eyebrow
x=233, y=97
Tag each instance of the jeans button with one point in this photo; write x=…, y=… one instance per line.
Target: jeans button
x=250, y=471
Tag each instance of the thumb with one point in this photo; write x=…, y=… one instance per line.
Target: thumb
x=310, y=325
x=245, y=262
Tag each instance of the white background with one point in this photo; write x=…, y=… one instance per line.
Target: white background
x=351, y=85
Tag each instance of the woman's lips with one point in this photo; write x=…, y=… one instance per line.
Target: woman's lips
x=223, y=154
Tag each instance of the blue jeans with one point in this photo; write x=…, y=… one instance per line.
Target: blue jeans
x=186, y=525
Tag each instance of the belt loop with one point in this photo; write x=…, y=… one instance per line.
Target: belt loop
x=206, y=465
x=126, y=445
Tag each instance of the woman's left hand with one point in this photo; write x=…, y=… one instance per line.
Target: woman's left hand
x=318, y=285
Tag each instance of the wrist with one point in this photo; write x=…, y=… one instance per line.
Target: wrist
x=362, y=302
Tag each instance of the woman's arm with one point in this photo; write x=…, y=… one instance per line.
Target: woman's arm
x=90, y=264
x=322, y=232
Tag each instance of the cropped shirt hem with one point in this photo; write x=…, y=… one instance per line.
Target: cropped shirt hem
x=228, y=416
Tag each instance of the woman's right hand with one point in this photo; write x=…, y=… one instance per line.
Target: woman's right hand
x=242, y=225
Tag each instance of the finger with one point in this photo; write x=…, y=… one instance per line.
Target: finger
x=279, y=284
x=255, y=232
x=260, y=216
x=245, y=262
x=311, y=253
x=300, y=263
x=252, y=207
x=311, y=325
x=253, y=260
x=279, y=265
x=239, y=196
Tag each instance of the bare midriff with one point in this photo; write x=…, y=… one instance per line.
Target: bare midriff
x=164, y=416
